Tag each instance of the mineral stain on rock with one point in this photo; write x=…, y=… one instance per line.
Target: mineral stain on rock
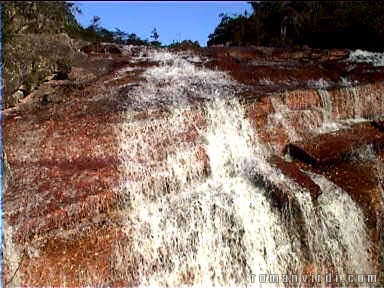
x=153, y=167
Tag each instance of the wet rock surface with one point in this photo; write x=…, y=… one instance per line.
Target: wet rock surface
x=117, y=124
x=61, y=145
x=334, y=147
x=293, y=171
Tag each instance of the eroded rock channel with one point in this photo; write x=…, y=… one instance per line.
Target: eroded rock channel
x=203, y=167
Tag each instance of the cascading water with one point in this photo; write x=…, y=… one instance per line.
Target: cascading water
x=329, y=124
x=361, y=56
x=280, y=116
x=183, y=226
x=334, y=240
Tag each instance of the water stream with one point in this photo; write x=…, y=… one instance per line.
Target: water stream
x=189, y=227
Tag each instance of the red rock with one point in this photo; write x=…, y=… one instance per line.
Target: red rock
x=65, y=162
x=292, y=170
x=333, y=147
x=302, y=99
x=360, y=181
x=338, y=54
x=260, y=108
x=361, y=101
x=65, y=158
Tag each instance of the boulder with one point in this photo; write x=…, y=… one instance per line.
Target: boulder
x=333, y=147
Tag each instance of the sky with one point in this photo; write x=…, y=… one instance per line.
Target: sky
x=174, y=20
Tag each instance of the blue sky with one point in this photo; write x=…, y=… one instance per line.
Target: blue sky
x=174, y=21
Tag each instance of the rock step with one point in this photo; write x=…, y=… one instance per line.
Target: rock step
x=333, y=147
x=293, y=171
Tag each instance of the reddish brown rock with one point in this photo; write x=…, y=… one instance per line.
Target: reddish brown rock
x=361, y=101
x=361, y=180
x=332, y=147
x=335, y=54
x=259, y=108
x=302, y=99
x=292, y=170
x=64, y=159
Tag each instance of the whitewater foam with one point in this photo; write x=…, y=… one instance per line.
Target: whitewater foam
x=187, y=227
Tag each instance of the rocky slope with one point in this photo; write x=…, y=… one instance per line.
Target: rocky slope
x=161, y=168
x=31, y=59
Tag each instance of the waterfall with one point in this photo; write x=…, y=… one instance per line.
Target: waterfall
x=186, y=227
x=221, y=230
x=361, y=56
x=334, y=239
x=280, y=117
x=326, y=104
x=329, y=124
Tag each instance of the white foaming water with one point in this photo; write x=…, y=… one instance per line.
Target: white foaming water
x=340, y=236
x=361, y=56
x=187, y=228
x=326, y=103
x=318, y=84
x=177, y=81
x=328, y=124
x=280, y=117
x=344, y=234
x=219, y=231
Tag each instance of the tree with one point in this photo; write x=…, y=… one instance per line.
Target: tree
x=119, y=36
x=95, y=23
x=37, y=17
x=320, y=24
x=154, y=35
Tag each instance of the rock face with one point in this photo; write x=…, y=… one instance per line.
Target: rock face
x=143, y=160
x=7, y=173
x=28, y=59
x=333, y=147
x=68, y=140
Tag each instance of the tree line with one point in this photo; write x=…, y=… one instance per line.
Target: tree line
x=52, y=17
x=318, y=24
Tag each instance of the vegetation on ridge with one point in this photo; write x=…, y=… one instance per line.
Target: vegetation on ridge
x=318, y=24
x=41, y=38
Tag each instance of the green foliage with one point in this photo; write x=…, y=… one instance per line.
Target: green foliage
x=185, y=44
x=231, y=30
x=96, y=33
x=322, y=24
x=50, y=17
